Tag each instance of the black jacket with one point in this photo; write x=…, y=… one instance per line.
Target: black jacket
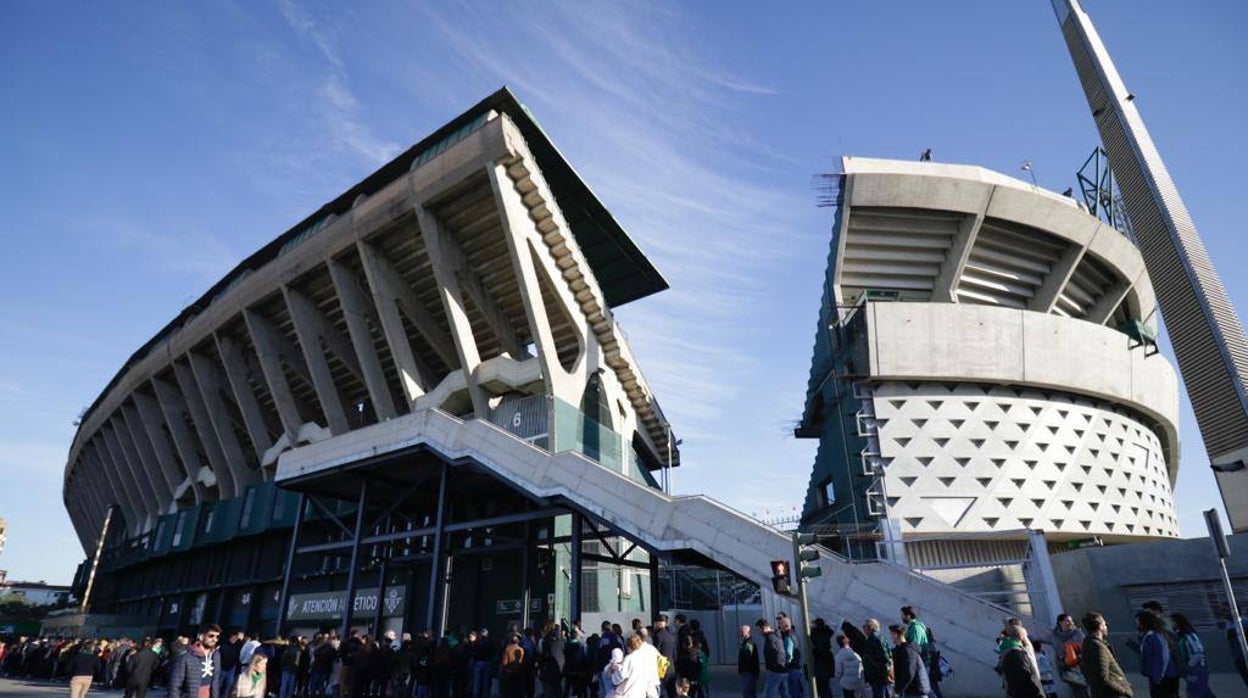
x=876, y=659
x=665, y=643
x=84, y=662
x=187, y=670
x=142, y=664
x=1021, y=679
x=773, y=652
x=747, y=657
x=909, y=673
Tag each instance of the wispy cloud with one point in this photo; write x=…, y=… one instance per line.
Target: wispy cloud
x=655, y=129
x=338, y=106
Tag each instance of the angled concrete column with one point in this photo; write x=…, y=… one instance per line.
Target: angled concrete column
x=312, y=328
x=212, y=389
x=130, y=477
x=203, y=428
x=356, y=309
x=389, y=289
x=471, y=283
x=272, y=349
x=145, y=469
x=236, y=372
x=110, y=476
x=414, y=377
x=436, y=242
x=1107, y=303
x=172, y=406
x=147, y=455
x=1055, y=281
x=116, y=436
x=516, y=227
x=946, y=285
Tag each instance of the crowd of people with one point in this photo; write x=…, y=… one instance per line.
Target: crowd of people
x=656, y=661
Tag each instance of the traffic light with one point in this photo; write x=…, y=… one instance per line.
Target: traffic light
x=807, y=555
x=780, y=577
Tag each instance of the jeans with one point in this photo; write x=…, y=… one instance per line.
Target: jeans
x=316, y=683
x=884, y=690
x=749, y=685
x=288, y=684
x=776, y=685
x=481, y=679
x=797, y=683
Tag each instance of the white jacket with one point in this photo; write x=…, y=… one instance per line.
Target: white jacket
x=849, y=670
x=639, y=675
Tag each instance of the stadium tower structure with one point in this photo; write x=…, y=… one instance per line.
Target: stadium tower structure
x=974, y=376
x=1206, y=333
x=416, y=410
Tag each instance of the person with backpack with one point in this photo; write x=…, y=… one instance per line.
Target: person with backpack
x=847, y=669
x=1189, y=658
x=1068, y=646
x=1156, y=656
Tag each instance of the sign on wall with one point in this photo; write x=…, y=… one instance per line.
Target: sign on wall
x=329, y=605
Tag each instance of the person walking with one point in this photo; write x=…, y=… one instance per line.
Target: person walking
x=847, y=669
x=776, y=681
x=1099, y=666
x=252, y=680
x=83, y=663
x=1068, y=646
x=823, y=656
x=142, y=665
x=795, y=662
x=747, y=664
x=1156, y=656
x=910, y=674
x=197, y=672
x=639, y=672
x=1021, y=675
x=877, y=661
x=1189, y=657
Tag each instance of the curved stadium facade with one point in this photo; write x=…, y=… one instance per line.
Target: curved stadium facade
x=985, y=366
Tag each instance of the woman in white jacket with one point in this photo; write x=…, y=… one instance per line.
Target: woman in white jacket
x=639, y=673
x=848, y=672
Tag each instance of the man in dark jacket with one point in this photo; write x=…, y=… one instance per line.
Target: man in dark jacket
x=197, y=673
x=666, y=642
x=142, y=664
x=1100, y=668
x=83, y=663
x=1022, y=679
x=776, y=684
x=821, y=637
x=747, y=664
x=877, y=659
x=910, y=674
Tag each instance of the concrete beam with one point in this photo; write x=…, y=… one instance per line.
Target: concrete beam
x=357, y=310
x=946, y=284
x=436, y=243
x=1055, y=281
x=414, y=378
x=470, y=281
x=312, y=328
x=151, y=421
x=203, y=428
x=389, y=287
x=516, y=226
x=208, y=378
x=146, y=489
x=173, y=407
x=271, y=350
x=130, y=476
x=123, y=494
x=236, y=372
x=1108, y=303
x=129, y=417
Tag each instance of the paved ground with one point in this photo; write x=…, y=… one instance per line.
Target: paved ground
x=1224, y=686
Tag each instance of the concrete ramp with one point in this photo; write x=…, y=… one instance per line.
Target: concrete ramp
x=965, y=627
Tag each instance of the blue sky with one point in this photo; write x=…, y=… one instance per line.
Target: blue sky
x=148, y=147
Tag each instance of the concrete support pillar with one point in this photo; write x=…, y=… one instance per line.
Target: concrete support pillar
x=272, y=350
x=236, y=372
x=946, y=286
x=208, y=438
x=128, y=415
x=212, y=390
x=129, y=477
x=1055, y=281
x=516, y=228
x=173, y=407
x=436, y=243
x=357, y=309
x=1108, y=303
x=120, y=494
x=125, y=446
x=311, y=332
